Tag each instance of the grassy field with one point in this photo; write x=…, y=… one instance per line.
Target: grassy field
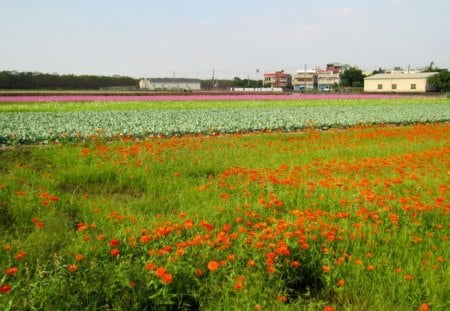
x=353, y=219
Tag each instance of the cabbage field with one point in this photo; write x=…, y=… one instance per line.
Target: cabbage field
x=36, y=123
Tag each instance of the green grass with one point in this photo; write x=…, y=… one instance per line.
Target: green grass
x=251, y=203
x=181, y=105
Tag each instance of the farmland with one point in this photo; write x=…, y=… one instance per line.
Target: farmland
x=282, y=204
x=34, y=123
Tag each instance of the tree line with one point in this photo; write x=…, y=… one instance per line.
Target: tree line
x=33, y=81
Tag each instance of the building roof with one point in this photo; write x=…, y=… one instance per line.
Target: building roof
x=171, y=80
x=389, y=76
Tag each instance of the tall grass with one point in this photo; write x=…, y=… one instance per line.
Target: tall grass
x=353, y=219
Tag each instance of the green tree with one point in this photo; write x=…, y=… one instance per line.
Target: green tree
x=37, y=80
x=352, y=77
x=379, y=70
x=441, y=81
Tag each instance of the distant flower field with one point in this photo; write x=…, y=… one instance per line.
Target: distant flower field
x=187, y=97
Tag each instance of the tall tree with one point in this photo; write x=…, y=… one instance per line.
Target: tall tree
x=352, y=77
x=441, y=81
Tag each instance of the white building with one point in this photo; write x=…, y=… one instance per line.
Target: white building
x=304, y=80
x=327, y=80
x=399, y=82
x=144, y=84
x=162, y=84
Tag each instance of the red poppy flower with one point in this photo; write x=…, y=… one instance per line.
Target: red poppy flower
x=4, y=289
x=114, y=252
x=114, y=242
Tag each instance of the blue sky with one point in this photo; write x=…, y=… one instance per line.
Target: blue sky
x=192, y=37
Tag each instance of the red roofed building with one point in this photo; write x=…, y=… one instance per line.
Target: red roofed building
x=278, y=79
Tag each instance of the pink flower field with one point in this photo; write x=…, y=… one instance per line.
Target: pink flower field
x=197, y=97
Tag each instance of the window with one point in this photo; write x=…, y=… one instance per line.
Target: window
x=394, y=86
x=380, y=86
x=413, y=86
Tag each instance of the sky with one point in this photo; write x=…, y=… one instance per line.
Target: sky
x=233, y=38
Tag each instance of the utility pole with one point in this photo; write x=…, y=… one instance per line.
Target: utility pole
x=173, y=80
x=257, y=77
x=213, y=80
x=305, y=78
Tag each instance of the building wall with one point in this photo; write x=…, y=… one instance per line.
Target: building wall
x=174, y=86
x=416, y=85
x=149, y=85
x=327, y=80
x=144, y=84
x=399, y=82
x=304, y=80
x=278, y=79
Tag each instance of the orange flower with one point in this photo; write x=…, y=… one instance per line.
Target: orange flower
x=72, y=268
x=408, y=277
x=238, y=285
x=198, y=272
x=341, y=282
x=145, y=239
x=7, y=247
x=81, y=227
x=20, y=255
x=371, y=267
x=180, y=252
x=150, y=266
x=114, y=252
x=251, y=263
x=283, y=250
x=424, y=307
x=326, y=269
x=79, y=257
x=295, y=264
x=328, y=308
x=282, y=298
x=11, y=270
x=167, y=278
x=213, y=265
x=160, y=271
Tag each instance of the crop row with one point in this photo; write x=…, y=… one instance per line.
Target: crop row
x=41, y=127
